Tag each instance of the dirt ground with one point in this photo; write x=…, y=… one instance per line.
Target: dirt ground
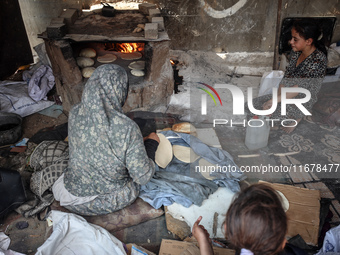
x=35, y=122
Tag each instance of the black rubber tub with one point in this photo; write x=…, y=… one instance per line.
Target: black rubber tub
x=10, y=128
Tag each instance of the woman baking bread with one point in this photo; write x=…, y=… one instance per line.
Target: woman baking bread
x=108, y=158
x=306, y=69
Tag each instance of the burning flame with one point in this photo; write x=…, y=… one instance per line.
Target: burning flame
x=172, y=62
x=129, y=47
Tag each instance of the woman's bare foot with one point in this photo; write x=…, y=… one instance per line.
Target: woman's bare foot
x=288, y=130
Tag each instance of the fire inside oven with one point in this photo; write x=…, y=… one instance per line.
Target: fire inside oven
x=125, y=47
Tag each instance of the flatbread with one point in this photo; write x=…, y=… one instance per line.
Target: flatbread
x=88, y=53
x=284, y=201
x=184, y=153
x=138, y=65
x=131, y=56
x=205, y=166
x=107, y=58
x=136, y=72
x=85, y=62
x=164, y=153
x=87, y=72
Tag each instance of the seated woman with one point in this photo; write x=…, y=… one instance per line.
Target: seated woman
x=306, y=69
x=108, y=161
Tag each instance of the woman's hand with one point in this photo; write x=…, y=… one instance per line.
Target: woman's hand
x=152, y=136
x=202, y=237
x=267, y=105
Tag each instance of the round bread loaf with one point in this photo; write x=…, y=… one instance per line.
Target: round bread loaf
x=136, y=72
x=284, y=201
x=88, y=53
x=107, y=58
x=87, y=72
x=184, y=127
x=85, y=62
x=131, y=56
x=205, y=168
x=138, y=65
x=184, y=154
x=164, y=152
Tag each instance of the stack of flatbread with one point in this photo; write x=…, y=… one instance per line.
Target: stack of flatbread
x=137, y=68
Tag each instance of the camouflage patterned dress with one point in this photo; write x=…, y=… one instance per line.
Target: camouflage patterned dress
x=107, y=153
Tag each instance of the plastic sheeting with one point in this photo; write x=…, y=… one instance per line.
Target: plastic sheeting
x=14, y=98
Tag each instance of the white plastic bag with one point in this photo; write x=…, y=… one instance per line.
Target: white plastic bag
x=270, y=80
x=331, y=243
x=72, y=235
x=14, y=98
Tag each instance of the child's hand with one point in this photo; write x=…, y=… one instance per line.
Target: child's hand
x=199, y=232
x=202, y=237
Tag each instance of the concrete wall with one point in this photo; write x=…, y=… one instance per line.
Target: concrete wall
x=232, y=25
x=236, y=25
x=37, y=15
x=229, y=26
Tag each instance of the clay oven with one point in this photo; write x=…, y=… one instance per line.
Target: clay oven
x=112, y=32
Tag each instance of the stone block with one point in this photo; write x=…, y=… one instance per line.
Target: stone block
x=70, y=16
x=154, y=13
x=151, y=31
x=145, y=7
x=160, y=21
x=56, y=31
x=57, y=21
x=177, y=227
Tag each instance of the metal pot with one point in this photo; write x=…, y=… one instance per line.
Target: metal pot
x=108, y=10
x=10, y=128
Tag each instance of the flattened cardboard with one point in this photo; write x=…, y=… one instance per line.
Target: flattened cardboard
x=173, y=247
x=303, y=213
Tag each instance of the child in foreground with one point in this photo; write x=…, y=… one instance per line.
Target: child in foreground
x=255, y=223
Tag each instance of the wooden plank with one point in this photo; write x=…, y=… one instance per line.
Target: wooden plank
x=67, y=74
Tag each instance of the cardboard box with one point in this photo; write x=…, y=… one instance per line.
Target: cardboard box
x=173, y=247
x=135, y=249
x=303, y=213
